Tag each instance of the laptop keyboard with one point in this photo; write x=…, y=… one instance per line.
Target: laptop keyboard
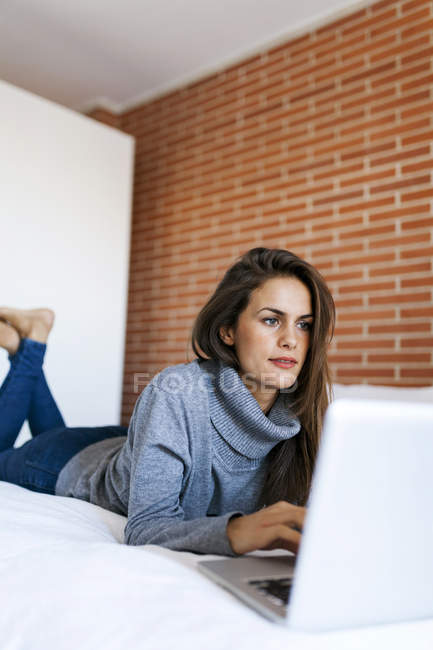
x=275, y=589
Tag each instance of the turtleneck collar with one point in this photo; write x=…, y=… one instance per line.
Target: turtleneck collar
x=237, y=415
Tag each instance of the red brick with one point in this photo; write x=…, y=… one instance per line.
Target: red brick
x=393, y=357
x=370, y=72
x=409, y=126
x=370, y=125
x=416, y=83
x=419, y=137
x=399, y=328
x=368, y=287
x=402, y=269
x=417, y=252
x=394, y=51
x=412, y=5
x=359, y=373
x=366, y=344
x=400, y=241
x=395, y=24
x=416, y=372
x=418, y=313
x=367, y=205
x=345, y=358
x=370, y=21
x=424, y=52
x=348, y=302
x=408, y=182
x=367, y=178
x=368, y=151
x=362, y=13
x=399, y=298
x=355, y=94
x=423, y=343
x=408, y=211
x=333, y=170
x=347, y=330
x=366, y=315
x=425, y=25
x=402, y=101
x=416, y=196
x=367, y=98
x=338, y=196
x=415, y=167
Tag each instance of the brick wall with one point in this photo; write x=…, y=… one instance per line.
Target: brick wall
x=322, y=146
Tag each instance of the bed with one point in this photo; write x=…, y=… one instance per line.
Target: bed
x=68, y=581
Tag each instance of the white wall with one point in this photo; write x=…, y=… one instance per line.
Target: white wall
x=65, y=206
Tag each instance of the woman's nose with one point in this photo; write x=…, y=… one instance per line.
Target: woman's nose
x=288, y=337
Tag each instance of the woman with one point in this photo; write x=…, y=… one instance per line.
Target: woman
x=219, y=453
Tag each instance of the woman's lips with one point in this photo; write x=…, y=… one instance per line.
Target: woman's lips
x=283, y=364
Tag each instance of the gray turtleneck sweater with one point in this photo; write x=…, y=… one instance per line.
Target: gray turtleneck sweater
x=195, y=455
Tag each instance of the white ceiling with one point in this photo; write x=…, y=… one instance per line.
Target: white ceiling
x=117, y=53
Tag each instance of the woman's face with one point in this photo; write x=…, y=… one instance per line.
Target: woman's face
x=272, y=336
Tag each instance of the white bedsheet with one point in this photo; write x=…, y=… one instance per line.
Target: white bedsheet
x=67, y=582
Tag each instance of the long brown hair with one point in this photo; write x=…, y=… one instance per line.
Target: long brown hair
x=289, y=476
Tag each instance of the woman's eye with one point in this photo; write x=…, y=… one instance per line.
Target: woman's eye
x=305, y=325
x=272, y=322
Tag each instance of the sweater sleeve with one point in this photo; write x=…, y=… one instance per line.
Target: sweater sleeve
x=160, y=463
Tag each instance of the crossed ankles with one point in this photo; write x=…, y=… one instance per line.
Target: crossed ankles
x=16, y=324
x=9, y=338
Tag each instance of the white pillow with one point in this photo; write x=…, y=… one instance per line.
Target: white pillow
x=396, y=393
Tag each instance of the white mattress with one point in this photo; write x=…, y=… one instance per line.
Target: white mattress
x=67, y=582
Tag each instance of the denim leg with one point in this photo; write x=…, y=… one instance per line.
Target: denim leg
x=37, y=463
x=17, y=389
x=43, y=412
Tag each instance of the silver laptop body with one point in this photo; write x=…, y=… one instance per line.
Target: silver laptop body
x=366, y=555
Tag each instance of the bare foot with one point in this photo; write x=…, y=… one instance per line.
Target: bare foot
x=9, y=338
x=33, y=324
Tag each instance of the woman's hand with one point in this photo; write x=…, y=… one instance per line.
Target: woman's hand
x=269, y=528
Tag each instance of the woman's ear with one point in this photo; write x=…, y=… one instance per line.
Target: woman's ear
x=227, y=335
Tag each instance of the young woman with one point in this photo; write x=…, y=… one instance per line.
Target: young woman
x=219, y=453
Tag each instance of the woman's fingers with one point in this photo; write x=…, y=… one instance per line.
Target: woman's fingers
x=284, y=514
x=277, y=526
x=281, y=536
x=289, y=519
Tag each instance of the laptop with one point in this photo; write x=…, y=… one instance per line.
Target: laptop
x=366, y=555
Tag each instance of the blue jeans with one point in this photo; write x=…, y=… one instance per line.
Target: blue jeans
x=25, y=395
